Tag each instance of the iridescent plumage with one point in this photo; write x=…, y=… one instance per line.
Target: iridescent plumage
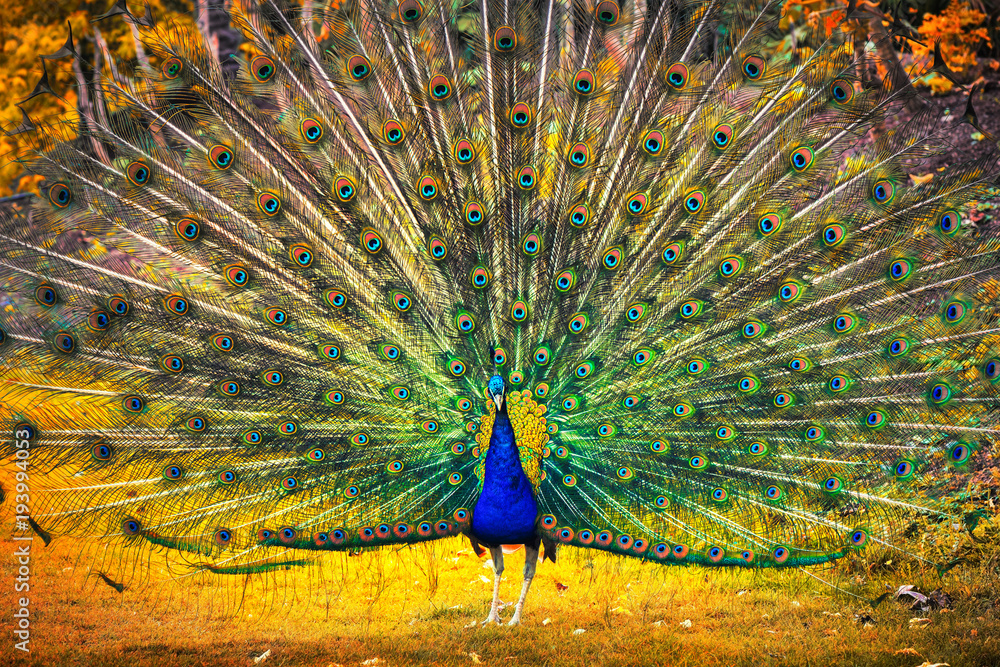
x=726, y=328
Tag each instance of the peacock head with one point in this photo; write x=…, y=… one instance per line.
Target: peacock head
x=496, y=389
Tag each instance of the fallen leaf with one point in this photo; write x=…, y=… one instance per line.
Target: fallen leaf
x=371, y=661
x=475, y=657
x=796, y=603
x=919, y=622
x=621, y=610
x=828, y=613
x=908, y=651
x=547, y=621
x=686, y=623
x=262, y=657
x=934, y=664
x=578, y=631
x=484, y=579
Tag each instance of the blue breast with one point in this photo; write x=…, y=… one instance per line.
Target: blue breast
x=506, y=510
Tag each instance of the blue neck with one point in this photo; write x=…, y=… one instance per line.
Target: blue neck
x=506, y=510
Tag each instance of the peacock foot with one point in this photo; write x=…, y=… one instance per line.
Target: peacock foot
x=516, y=620
x=494, y=617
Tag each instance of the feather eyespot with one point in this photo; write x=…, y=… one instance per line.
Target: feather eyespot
x=579, y=155
x=694, y=201
x=636, y=312
x=520, y=115
x=566, y=280
x=402, y=301
x=371, y=241
x=229, y=388
x=131, y=527
x=473, y=213
x=730, y=267
x=608, y=12
x=227, y=477
x=455, y=478
x=98, y=320
x=505, y=39
x=859, y=538
x=571, y=403
x=288, y=427
x=465, y=322
x=410, y=11
x=133, y=404
x=301, y=255
x=789, y=292
x=333, y=397
x=579, y=215
x=428, y=188
x=682, y=410
x=171, y=363
x=393, y=132
x=842, y=91
x=653, y=143
x=903, y=469
x=335, y=298
x=542, y=390
x=939, y=393
x=463, y=404
x=725, y=433
x=698, y=462
x=527, y=178
x=800, y=364
x=642, y=356
x=262, y=69
x=754, y=67
x=584, y=370
x=252, y=437
x=697, y=366
x=883, y=192
x=480, y=277
x=311, y=130
x=833, y=235
x=221, y=156
x=532, y=244
x=584, y=82
x=236, y=275
x=753, y=329
x=519, y=311
x=276, y=316
x=394, y=467
x=437, y=248
x=783, y=399
x=195, y=424
x=748, y=384
x=289, y=483
x=672, y=253
x=612, y=258
x=457, y=368
x=839, y=383
x=60, y=195
x=175, y=304
x=465, y=152
x=439, y=88
x=722, y=136
x=119, y=306
x=222, y=342
x=954, y=312
x=171, y=68
x=959, y=453
x=677, y=76
x=137, y=173
x=101, y=452
x=541, y=355
x=516, y=377
x=802, y=158
x=659, y=446
x=815, y=433
x=991, y=370
x=637, y=203
x=769, y=224
x=173, y=472
x=330, y=351
x=499, y=356
x=716, y=554
x=359, y=68
x=757, y=448
x=268, y=204
x=389, y=352
x=900, y=270
x=272, y=377
x=691, y=308
x=46, y=296
x=187, y=229
x=844, y=323
x=949, y=222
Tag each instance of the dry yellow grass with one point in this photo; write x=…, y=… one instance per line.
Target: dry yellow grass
x=414, y=607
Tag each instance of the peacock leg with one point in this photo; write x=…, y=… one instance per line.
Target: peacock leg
x=530, y=563
x=496, y=553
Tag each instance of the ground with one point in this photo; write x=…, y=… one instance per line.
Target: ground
x=419, y=606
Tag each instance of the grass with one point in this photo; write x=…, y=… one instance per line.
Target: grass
x=415, y=606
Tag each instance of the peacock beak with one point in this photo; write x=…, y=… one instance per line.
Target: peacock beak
x=497, y=400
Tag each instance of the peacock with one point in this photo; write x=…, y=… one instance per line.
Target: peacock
x=592, y=273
